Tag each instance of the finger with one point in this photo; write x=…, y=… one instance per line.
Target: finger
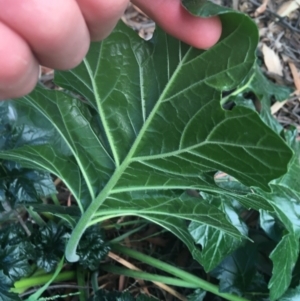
x=55, y=30
x=177, y=21
x=19, y=69
x=102, y=16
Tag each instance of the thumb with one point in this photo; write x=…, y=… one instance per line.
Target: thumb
x=178, y=22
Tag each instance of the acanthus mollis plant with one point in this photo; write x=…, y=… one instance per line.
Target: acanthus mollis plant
x=139, y=123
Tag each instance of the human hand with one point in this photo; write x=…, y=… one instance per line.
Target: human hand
x=57, y=34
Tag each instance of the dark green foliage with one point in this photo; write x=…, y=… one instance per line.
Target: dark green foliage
x=17, y=184
x=49, y=245
x=44, y=248
x=14, y=252
x=14, y=261
x=237, y=271
x=20, y=185
x=92, y=248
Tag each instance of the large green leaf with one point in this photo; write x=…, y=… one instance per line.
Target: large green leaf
x=284, y=258
x=154, y=121
x=285, y=199
x=143, y=122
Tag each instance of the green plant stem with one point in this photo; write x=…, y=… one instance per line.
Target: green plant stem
x=85, y=219
x=80, y=273
x=94, y=281
x=55, y=199
x=22, y=285
x=187, y=277
x=127, y=234
x=36, y=217
x=123, y=224
x=147, y=276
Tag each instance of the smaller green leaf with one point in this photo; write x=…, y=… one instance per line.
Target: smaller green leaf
x=286, y=204
x=217, y=244
x=291, y=179
x=291, y=295
x=285, y=199
x=296, y=274
x=265, y=91
x=284, y=258
x=237, y=271
x=270, y=225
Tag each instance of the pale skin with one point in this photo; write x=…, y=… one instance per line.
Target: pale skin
x=57, y=34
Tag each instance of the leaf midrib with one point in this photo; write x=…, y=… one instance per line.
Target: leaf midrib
x=120, y=168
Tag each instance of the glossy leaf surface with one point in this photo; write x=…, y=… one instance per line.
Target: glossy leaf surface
x=284, y=258
x=215, y=242
x=237, y=271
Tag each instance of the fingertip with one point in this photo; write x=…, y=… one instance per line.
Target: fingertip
x=55, y=30
x=19, y=69
x=101, y=16
x=198, y=32
x=208, y=36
